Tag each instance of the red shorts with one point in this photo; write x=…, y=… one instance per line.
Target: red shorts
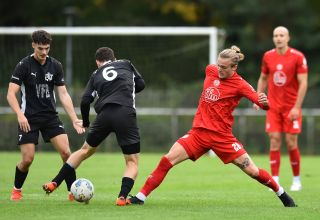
x=279, y=122
x=198, y=141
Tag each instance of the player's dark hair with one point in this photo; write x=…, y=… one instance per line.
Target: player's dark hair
x=41, y=37
x=104, y=54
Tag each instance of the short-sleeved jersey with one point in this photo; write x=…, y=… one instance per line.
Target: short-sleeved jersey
x=219, y=98
x=114, y=82
x=282, y=82
x=37, y=83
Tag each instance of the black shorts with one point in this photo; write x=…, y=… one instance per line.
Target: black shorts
x=49, y=128
x=122, y=121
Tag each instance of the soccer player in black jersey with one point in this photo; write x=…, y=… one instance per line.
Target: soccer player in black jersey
x=114, y=83
x=35, y=77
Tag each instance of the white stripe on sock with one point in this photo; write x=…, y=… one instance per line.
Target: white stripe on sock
x=141, y=196
x=280, y=191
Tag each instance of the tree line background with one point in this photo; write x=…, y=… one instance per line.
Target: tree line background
x=247, y=24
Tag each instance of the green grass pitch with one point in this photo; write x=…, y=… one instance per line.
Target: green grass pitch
x=206, y=189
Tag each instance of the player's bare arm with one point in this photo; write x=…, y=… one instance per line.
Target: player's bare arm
x=261, y=87
x=67, y=104
x=303, y=85
x=262, y=82
x=13, y=89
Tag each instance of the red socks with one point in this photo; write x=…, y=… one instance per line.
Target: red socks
x=274, y=158
x=156, y=177
x=295, y=161
x=265, y=178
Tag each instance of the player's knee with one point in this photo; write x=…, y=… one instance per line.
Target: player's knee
x=65, y=154
x=27, y=161
x=87, y=150
x=132, y=161
x=275, y=144
x=291, y=144
x=275, y=139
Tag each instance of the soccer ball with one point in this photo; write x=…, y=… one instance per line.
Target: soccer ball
x=82, y=190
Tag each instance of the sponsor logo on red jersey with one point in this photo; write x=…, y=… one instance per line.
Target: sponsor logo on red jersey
x=212, y=94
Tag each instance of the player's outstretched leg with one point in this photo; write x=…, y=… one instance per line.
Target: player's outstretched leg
x=152, y=182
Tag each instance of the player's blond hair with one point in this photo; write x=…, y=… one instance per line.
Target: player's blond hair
x=233, y=53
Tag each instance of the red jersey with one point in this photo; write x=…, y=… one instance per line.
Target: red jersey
x=283, y=83
x=219, y=98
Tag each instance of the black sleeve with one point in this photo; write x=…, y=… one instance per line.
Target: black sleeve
x=87, y=98
x=139, y=84
x=135, y=71
x=20, y=72
x=59, y=79
x=138, y=80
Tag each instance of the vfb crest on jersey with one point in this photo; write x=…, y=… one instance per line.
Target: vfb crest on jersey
x=48, y=76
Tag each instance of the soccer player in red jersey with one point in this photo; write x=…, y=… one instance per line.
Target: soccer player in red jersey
x=285, y=72
x=212, y=128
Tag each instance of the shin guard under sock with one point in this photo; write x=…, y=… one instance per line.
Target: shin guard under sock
x=19, y=178
x=274, y=158
x=126, y=186
x=70, y=178
x=157, y=176
x=65, y=171
x=265, y=178
x=295, y=161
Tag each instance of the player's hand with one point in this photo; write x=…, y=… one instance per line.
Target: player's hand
x=77, y=124
x=255, y=106
x=263, y=99
x=294, y=114
x=23, y=123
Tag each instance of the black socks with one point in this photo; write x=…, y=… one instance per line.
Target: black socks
x=66, y=173
x=70, y=178
x=126, y=186
x=19, y=179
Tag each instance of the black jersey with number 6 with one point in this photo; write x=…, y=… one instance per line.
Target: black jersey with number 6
x=37, y=86
x=114, y=82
